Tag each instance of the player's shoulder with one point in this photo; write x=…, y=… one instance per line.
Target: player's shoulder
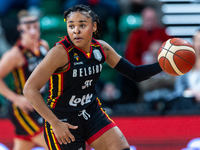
x=58, y=49
x=64, y=41
x=45, y=43
x=14, y=53
x=107, y=49
x=58, y=54
x=102, y=42
x=14, y=50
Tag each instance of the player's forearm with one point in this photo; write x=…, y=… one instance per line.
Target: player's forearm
x=6, y=92
x=38, y=103
x=137, y=73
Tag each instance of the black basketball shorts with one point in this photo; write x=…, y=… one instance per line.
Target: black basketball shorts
x=92, y=122
x=26, y=125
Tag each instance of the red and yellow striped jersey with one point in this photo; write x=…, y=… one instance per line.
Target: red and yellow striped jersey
x=21, y=74
x=74, y=89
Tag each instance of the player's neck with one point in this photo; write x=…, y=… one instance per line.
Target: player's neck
x=29, y=44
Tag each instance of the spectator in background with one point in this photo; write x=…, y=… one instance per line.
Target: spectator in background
x=140, y=39
x=138, y=42
x=109, y=95
x=187, y=87
x=154, y=90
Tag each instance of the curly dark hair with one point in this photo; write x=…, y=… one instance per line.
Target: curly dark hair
x=92, y=14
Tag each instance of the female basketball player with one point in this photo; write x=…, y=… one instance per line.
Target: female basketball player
x=21, y=60
x=74, y=114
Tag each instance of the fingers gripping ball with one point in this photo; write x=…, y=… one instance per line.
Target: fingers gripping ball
x=176, y=56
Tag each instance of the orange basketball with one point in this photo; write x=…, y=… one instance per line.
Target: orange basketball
x=176, y=56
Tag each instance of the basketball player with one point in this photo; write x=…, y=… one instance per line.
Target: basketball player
x=74, y=114
x=21, y=60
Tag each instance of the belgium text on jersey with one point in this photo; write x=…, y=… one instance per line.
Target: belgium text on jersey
x=83, y=72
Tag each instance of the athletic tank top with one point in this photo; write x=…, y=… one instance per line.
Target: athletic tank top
x=21, y=74
x=74, y=89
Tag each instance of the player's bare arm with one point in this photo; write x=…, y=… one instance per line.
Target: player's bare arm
x=55, y=58
x=11, y=59
x=112, y=58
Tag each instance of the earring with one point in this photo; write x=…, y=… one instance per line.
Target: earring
x=64, y=19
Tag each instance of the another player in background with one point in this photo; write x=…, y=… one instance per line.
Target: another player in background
x=21, y=60
x=73, y=114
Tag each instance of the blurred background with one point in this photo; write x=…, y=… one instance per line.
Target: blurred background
x=152, y=114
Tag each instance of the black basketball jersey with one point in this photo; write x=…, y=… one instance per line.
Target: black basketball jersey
x=21, y=74
x=74, y=89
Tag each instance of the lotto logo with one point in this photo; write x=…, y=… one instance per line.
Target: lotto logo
x=84, y=100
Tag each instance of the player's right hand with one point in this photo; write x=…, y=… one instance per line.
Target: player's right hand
x=23, y=104
x=62, y=133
